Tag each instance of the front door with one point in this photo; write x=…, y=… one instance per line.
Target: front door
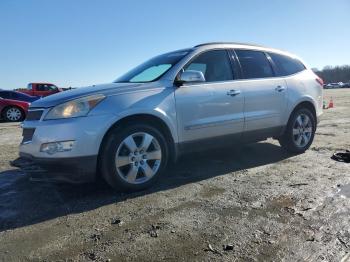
x=213, y=108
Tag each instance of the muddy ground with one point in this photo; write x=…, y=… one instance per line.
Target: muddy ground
x=267, y=204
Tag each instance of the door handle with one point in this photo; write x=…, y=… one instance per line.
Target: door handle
x=280, y=88
x=233, y=92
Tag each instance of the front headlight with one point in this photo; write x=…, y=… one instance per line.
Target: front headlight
x=75, y=108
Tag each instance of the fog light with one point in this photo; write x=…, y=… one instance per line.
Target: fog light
x=55, y=147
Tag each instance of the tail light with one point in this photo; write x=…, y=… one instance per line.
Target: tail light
x=319, y=80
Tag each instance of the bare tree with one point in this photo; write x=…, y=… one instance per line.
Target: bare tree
x=335, y=74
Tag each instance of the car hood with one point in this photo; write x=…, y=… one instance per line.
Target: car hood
x=16, y=102
x=106, y=89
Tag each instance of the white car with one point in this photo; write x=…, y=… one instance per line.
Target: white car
x=210, y=95
x=334, y=85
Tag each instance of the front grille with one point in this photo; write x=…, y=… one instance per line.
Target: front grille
x=27, y=134
x=34, y=114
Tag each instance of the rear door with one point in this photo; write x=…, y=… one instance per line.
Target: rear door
x=265, y=93
x=213, y=108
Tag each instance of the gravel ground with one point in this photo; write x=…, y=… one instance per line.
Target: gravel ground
x=249, y=203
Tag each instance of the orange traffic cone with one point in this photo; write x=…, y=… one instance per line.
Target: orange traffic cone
x=331, y=105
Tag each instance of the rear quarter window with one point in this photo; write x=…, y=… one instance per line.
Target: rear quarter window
x=286, y=65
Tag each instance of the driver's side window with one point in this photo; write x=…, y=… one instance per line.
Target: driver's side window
x=215, y=66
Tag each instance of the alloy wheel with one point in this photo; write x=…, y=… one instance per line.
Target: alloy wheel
x=302, y=130
x=13, y=114
x=138, y=158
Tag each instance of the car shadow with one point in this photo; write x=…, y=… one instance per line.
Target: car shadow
x=24, y=203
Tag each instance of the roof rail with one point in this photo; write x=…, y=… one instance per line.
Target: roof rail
x=230, y=43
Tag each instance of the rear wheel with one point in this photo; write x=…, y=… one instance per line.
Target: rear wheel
x=134, y=157
x=300, y=131
x=13, y=114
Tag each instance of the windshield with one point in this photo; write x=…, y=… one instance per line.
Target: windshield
x=153, y=69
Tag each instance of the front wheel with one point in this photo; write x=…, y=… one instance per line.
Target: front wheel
x=133, y=158
x=300, y=131
x=13, y=114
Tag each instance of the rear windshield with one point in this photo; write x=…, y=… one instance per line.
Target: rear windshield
x=152, y=69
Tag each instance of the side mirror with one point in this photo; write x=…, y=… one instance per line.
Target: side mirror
x=191, y=76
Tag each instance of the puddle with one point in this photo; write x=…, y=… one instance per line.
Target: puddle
x=7, y=178
x=344, y=190
x=7, y=214
x=9, y=194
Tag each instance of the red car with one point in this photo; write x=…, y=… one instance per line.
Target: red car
x=13, y=110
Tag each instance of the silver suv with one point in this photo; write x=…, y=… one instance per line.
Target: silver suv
x=210, y=95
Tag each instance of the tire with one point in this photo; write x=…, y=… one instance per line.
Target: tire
x=13, y=114
x=132, y=167
x=300, y=131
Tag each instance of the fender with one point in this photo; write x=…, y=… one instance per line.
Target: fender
x=157, y=112
x=295, y=103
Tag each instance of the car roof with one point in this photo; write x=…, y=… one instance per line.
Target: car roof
x=243, y=46
x=41, y=83
x=249, y=46
x=11, y=91
x=228, y=43
x=1, y=90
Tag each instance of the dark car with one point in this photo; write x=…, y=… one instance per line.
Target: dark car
x=346, y=85
x=13, y=95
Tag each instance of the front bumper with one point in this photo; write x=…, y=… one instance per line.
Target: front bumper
x=75, y=165
x=86, y=132
x=72, y=170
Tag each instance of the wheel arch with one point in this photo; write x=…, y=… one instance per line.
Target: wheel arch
x=305, y=104
x=302, y=104
x=285, y=139
x=8, y=106
x=148, y=119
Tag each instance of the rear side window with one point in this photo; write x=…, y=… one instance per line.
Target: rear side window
x=18, y=96
x=254, y=64
x=5, y=95
x=286, y=65
x=215, y=66
x=46, y=87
